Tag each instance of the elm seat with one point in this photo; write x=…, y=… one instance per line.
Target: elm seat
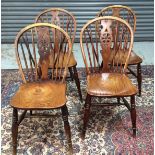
x=62, y=60
x=134, y=59
x=110, y=84
x=40, y=95
x=121, y=57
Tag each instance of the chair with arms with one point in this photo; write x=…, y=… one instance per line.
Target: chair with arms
x=128, y=15
x=34, y=44
x=101, y=40
x=67, y=22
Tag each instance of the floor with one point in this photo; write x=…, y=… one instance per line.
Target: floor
x=108, y=132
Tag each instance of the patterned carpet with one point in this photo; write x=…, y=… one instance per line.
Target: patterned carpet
x=109, y=129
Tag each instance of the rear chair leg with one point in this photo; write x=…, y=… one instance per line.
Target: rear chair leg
x=31, y=112
x=14, y=130
x=86, y=114
x=77, y=82
x=133, y=115
x=65, y=114
x=39, y=72
x=139, y=78
x=118, y=100
x=71, y=72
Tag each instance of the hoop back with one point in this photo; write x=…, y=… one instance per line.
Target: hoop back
x=105, y=42
x=122, y=12
x=34, y=46
x=61, y=18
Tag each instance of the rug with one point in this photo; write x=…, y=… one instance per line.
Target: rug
x=109, y=129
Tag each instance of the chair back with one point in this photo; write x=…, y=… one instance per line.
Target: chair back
x=106, y=44
x=122, y=12
x=34, y=46
x=61, y=18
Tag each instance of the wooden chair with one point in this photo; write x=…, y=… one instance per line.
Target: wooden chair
x=33, y=46
x=128, y=15
x=101, y=40
x=67, y=22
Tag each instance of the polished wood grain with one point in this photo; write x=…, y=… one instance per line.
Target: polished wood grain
x=40, y=95
x=106, y=44
x=46, y=90
x=128, y=15
x=110, y=84
x=67, y=22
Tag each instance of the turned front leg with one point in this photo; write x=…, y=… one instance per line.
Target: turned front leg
x=133, y=115
x=14, y=130
x=67, y=127
x=86, y=114
x=139, y=78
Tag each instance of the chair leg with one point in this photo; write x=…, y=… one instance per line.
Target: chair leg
x=39, y=72
x=86, y=114
x=101, y=64
x=77, y=82
x=118, y=100
x=139, y=78
x=14, y=130
x=71, y=72
x=65, y=114
x=133, y=115
x=31, y=112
